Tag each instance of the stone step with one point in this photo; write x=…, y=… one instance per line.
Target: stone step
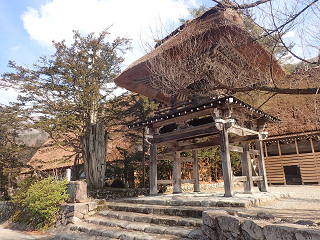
x=186, y=232
x=134, y=231
x=182, y=211
x=152, y=218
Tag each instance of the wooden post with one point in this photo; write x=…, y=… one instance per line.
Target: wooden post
x=262, y=168
x=226, y=163
x=177, y=173
x=246, y=168
x=195, y=169
x=153, y=169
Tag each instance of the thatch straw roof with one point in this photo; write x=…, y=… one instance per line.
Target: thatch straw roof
x=298, y=113
x=213, y=27
x=50, y=156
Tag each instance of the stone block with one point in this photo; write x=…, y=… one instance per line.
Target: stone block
x=73, y=220
x=181, y=232
x=254, y=228
x=210, y=217
x=77, y=191
x=190, y=222
x=280, y=231
x=75, y=214
x=155, y=229
x=307, y=234
x=137, y=226
x=79, y=207
x=195, y=234
x=165, y=220
x=209, y=232
x=92, y=206
x=143, y=218
x=229, y=223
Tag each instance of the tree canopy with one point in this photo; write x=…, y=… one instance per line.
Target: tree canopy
x=69, y=92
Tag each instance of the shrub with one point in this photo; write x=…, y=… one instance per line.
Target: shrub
x=117, y=183
x=39, y=204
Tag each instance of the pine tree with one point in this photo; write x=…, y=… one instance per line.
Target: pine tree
x=69, y=92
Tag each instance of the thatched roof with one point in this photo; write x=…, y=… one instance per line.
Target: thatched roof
x=50, y=156
x=298, y=113
x=214, y=27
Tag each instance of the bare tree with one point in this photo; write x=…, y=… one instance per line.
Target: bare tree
x=214, y=55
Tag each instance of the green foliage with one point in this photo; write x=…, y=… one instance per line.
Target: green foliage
x=12, y=151
x=117, y=183
x=70, y=91
x=39, y=202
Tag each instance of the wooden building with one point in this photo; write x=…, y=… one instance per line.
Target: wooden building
x=225, y=121
x=292, y=150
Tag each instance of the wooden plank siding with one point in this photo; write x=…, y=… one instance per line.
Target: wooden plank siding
x=309, y=167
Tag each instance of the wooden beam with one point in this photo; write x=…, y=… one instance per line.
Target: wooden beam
x=246, y=168
x=226, y=163
x=262, y=167
x=153, y=169
x=241, y=131
x=184, y=159
x=195, y=171
x=187, y=133
x=182, y=118
x=240, y=178
x=188, y=181
x=235, y=149
x=161, y=157
x=166, y=182
x=257, y=178
x=211, y=143
x=177, y=173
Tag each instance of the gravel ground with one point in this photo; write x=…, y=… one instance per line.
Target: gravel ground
x=305, y=205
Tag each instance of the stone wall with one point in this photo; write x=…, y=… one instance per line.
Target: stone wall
x=203, y=187
x=117, y=193
x=221, y=225
x=72, y=213
x=6, y=211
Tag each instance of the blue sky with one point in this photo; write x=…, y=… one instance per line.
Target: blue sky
x=29, y=26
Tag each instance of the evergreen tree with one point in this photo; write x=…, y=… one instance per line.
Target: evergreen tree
x=12, y=151
x=69, y=92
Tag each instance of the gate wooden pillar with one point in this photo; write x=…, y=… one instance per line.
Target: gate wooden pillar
x=177, y=173
x=246, y=168
x=262, y=168
x=195, y=171
x=225, y=159
x=153, y=169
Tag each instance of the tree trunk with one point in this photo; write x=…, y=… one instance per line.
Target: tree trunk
x=95, y=154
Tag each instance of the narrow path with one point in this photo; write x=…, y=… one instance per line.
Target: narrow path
x=9, y=234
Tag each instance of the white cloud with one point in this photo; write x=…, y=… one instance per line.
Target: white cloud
x=57, y=19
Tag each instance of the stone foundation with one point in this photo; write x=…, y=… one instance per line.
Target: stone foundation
x=114, y=194
x=73, y=212
x=220, y=225
x=203, y=187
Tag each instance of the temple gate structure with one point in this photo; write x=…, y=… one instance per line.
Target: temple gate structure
x=200, y=112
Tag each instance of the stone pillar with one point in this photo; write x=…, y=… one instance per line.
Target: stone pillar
x=153, y=169
x=177, y=173
x=195, y=169
x=77, y=191
x=225, y=159
x=246, y=168
x=262, y=167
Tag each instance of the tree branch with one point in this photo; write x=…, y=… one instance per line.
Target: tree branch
x=243, y=6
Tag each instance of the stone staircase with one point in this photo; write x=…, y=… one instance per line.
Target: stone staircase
x=123, y=220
